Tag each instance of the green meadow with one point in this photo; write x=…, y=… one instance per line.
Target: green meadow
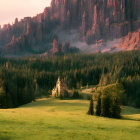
x=54, y=119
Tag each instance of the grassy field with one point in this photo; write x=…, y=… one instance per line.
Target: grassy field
x=49, y=119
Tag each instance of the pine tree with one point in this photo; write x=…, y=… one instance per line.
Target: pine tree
x=91, y=107
x=115, y=108
x=105, y=105
x=2, y=95
x=98, y=106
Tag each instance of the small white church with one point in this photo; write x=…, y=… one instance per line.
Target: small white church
x=60, y=90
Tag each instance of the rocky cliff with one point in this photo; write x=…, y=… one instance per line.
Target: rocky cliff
x=94, y=20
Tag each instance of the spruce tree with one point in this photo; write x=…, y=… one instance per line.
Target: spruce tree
x=91, y=107
x=105, y=106
x=115, y=109
x=98, y=106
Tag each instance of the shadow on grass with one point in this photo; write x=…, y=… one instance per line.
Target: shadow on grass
x=127, y=110
x=130, y=113
x=129, y=118
x=53, y=102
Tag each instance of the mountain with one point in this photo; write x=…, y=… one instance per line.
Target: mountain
x=91, y=25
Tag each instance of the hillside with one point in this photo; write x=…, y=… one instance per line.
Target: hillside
x=63, y=119
x=92, y=26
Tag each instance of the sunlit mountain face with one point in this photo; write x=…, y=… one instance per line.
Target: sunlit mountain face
x=91, y=26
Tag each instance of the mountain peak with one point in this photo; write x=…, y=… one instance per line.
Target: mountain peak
x=93, y=20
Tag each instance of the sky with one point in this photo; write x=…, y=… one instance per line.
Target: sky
x=10, y=9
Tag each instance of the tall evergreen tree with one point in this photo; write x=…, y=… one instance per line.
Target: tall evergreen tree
x=98, y=106
x=105, y=105
x=91, y=107
x=115, y=108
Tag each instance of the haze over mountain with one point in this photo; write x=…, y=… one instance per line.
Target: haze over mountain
x=92, y=26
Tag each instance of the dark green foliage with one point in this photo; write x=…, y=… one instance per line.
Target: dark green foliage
x=76, y=95
x=91, y=107
x=115, y=108
x=98, y=106
x=132, y=86
x=108, y=102
x=61, y=97
x=77, y=70
x=105, y=106
x=110, y=106
x=16, y=88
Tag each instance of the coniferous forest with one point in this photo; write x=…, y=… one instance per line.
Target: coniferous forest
x=24, y=79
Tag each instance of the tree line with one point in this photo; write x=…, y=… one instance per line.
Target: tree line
x=24, y=79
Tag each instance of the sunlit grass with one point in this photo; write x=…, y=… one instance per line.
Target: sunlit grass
x=50, y=119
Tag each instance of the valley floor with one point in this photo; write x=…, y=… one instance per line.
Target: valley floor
x=50, y=119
